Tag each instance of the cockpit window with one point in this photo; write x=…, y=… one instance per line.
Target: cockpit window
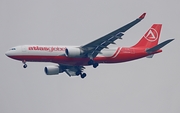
x=13, y=49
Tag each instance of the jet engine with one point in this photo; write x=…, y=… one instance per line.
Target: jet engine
x=53, y=70
x=73, y=52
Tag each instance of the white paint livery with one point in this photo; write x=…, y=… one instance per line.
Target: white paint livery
x=72, y=59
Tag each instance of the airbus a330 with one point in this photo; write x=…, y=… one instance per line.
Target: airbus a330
x=73, y=59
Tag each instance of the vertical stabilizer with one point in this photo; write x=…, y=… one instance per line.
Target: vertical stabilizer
x=151, y=37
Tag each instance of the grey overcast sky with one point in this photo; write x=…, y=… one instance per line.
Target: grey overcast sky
x=141, y=86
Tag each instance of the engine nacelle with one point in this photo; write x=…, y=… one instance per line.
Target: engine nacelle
x=73, y=52
x=53, y=70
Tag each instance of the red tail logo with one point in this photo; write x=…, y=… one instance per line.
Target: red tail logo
x=151, y=35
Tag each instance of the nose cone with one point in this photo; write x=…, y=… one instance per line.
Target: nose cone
x=10, y=53
x=13, y=52
x=7, y=53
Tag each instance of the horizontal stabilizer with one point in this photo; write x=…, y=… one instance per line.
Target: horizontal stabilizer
x=159, y=46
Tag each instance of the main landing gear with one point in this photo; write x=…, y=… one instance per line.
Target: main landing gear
x=25, y=65
x=92, y=62
x=79, y=72
x=83, y=75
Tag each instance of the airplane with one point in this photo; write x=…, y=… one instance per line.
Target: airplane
x=73, y=59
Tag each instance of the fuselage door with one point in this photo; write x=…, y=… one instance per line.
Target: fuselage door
x=23, y=48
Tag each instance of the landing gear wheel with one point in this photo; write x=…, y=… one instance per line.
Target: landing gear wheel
x=24, y=66
x=95, y=65
x=90, y=62
x=83, y=75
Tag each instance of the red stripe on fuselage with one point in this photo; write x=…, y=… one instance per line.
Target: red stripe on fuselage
x=125, y=54
x=54, y=59
x=121, y=55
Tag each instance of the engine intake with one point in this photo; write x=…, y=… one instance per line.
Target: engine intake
x=73, y=52
x=53, y=70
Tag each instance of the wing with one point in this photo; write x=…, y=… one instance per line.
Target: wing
x=73, y=70
x=93, y=48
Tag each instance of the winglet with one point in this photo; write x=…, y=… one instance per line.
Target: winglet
x=142, y=16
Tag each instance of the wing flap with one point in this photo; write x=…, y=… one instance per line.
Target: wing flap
x=71, y=70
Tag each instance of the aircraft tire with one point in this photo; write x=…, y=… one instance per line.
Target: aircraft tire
x=95, y=65
x=90, y=62
x=83, y=75
x=25, y=66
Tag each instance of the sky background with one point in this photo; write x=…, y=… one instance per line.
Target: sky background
x=141, y=86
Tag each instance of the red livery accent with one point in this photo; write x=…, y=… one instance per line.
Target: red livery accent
x=71, y=60
x=151, y=37
x=50, y=49
x=142, y=16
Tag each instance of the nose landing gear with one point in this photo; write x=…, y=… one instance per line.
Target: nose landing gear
x=25, y=65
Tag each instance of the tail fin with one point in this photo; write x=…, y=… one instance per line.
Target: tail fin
x=151, y=37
